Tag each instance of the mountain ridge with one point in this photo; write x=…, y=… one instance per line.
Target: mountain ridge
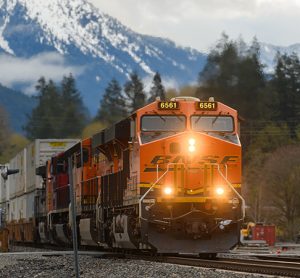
x=55, y=37
x=269, y=52
x=88, y=38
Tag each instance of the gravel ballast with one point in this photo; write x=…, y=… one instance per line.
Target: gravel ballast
x=37, y=265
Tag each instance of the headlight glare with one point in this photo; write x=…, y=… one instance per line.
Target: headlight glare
x=192, y=148
x=220, y=191
x=168, y=190
x=192, y=142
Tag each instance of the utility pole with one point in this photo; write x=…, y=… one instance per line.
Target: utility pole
x=73, y=210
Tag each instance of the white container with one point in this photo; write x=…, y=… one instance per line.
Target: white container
x=7, y=188
x=20, y=177
x=21, y=207
x=29, y=210
x=37, y=153
x=2, y=190
x=5, y=197
x=20, y=189
x=12, y=210
x=17, y=182
x=13, y=179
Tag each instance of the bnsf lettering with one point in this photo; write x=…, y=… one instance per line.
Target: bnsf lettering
x=179, y=159
x=230, y=158
x=209, y=159
x=164, y=159
x=160, y=159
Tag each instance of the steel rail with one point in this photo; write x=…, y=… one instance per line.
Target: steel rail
x=284, y=263
x=290, y=258
x=288, y=269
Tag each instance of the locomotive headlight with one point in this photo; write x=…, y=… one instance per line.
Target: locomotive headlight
x=192, y=149
x=220, y=191
x=192, y=143
x=168, y=190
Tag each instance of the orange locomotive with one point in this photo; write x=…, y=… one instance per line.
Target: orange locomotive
x=166, y=179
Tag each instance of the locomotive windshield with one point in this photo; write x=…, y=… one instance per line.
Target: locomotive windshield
x=212, y=123
x=163, y=123
x=155, y=127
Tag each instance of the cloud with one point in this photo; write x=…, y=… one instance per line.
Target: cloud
x=167, y=82
x=25, y=72
x=199, y=23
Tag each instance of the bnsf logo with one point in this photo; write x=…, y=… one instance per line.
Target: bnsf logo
x=165, y=159
x=160, y=159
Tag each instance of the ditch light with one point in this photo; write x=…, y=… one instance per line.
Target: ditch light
x=168, y=190
x=219, y=191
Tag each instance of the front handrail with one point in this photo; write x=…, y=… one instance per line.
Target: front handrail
x=243, y=207
x=151, y=187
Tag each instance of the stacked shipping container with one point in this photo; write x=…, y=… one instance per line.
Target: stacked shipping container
x=4, y=199
x=18, y=193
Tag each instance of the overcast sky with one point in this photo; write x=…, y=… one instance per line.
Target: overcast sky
x=199, y=23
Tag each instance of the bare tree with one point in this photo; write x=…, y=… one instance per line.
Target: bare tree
x=281, y=194
x=252, y=186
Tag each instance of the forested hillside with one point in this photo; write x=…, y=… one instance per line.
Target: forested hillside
x=17, y=106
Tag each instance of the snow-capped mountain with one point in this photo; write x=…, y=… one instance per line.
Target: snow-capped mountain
x=268, y=53
x=48, y=37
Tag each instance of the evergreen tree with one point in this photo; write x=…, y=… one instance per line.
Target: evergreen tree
x=157, y=89
x=112, y=106
x=235, y=76
x=43, y=121
x=134, y=90
x=286, y=83
x=251, y=87
x=73, y=111
x=59, y=113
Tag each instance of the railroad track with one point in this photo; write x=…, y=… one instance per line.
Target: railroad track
x=279, y=258
x=270, y=267
x=288, y=267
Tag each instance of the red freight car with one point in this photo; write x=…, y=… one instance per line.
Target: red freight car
x=264, y=232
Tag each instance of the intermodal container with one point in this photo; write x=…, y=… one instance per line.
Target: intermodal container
x=13, y=179
x=22, y=207
x=2, y=190
x=20, y=177
x=38, y=153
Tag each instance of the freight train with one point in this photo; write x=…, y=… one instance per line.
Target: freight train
x=167, y=179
